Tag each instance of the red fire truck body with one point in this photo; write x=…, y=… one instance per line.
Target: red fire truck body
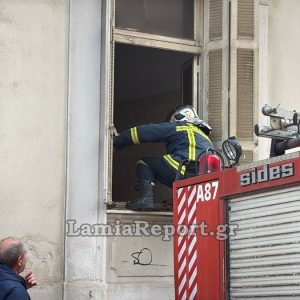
x=238, y=232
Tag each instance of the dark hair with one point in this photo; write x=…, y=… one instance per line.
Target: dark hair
x=11, y=254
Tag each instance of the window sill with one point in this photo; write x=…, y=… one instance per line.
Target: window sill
x=131, y=212
x=129, y=216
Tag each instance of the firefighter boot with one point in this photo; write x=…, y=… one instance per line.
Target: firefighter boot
x=145, y=200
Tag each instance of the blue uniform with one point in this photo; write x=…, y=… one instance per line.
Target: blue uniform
x=184, y=141
x=12, y=285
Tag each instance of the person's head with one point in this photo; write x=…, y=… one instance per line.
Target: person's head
x=189, y=114
x=13, y=254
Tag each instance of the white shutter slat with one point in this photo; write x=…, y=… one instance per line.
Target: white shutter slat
x=245, y=94
x=215, y=19
x=215, y=93
x=245, y=19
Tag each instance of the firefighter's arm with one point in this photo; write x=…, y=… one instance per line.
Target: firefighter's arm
x=122, y=140
x=151, y=133
x=126, y=138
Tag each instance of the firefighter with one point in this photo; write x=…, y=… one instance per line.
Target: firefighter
x=186, y=138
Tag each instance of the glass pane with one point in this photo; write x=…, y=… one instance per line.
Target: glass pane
x=174, y=18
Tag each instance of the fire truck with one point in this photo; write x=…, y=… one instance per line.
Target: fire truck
x=238, y=225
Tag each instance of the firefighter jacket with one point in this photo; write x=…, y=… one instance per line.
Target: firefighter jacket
x=184, y=141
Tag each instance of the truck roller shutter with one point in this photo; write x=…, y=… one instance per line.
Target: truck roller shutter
x=264, y=254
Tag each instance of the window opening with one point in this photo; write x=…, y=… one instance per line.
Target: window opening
x=187, y=75
x=148, y=83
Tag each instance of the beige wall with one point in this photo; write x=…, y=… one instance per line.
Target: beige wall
x=33, y=93
x=284, y=53
x=279, y=60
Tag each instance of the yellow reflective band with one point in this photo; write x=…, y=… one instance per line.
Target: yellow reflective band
x=193, y=128
x=134, y=135
x=192, y=146
x=191, y=137
x=174, y=163
x=188, y=128
x=198, y=130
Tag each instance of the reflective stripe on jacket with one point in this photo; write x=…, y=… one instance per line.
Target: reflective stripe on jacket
x=184, y=141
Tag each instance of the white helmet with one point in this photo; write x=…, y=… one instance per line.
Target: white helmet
x=189, y=114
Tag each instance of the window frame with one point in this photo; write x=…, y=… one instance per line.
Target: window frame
x=125, y=36
x=163, y=42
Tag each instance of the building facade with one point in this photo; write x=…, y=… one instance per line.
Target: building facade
x=72, y=70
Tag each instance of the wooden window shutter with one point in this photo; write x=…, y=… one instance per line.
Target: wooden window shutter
x=215, y=93
x=248, y=156
x=215, y=19
x=245, y=94
x=245, y=21
x=216, y=66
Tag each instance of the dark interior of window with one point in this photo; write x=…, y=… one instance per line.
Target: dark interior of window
x=147, y=86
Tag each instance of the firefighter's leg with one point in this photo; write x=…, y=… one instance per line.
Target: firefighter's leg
x=149, y=170
x=145, y=185
x=162, y=172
